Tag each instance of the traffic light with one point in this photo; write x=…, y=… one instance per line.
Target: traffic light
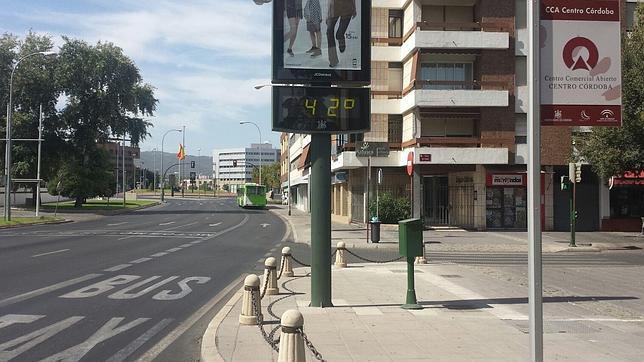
x=234, y=163
x=192, y=164
x=193, y=176
x=577, y=172
x=565, y=183
x=576, y=214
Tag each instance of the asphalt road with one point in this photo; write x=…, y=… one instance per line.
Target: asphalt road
x=128, y=286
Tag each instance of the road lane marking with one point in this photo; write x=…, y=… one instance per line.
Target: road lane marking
x=167, y=223
x=185, y=245
x=13, y=348
x=211, y=225
x=118, y=223
x=126, y=351
x=141, y=260
x=172, y=250
x=117, y=267
x=51, y=252
x=179, y=226
x=157, y=255
x=51, y=288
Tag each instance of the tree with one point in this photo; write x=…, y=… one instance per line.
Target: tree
x=105, y=97
x=615, y=150
x=270, y=175
x=33, y=86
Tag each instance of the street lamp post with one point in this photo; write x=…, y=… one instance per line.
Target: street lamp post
x=7, y=164
x=260, y=147
x=163, y=176
x=154, y=171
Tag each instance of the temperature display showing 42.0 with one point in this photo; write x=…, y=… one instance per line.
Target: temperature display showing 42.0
x=321, y=110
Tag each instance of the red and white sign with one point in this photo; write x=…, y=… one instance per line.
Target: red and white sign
x=580, y=63
x=627, y=179
x=514, y=179
x=410, y=163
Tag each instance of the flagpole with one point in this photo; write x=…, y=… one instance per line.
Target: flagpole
x=183, y=147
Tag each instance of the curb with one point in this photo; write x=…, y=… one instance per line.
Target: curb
x=583, y=249
x=290, y=225
x=209, y=351
x=53, y=222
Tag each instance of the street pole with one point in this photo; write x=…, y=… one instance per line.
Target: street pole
x=320, y=180
x=38, y=167
x=154, y=174
x=183, y=143
x=288, y=177
x=162, y=154
x=573, y=209
x=535, y=294
x=123, y=173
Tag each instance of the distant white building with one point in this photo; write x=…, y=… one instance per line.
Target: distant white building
x=234, y=166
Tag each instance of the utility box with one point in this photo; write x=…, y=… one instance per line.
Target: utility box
x=410, y=237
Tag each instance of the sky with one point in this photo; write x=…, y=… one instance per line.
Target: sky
x=202, y=56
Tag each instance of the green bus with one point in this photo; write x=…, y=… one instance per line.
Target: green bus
x=251, y=195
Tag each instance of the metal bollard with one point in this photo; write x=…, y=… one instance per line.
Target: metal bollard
x=340, y=258
x=251, y=291
x=270, y=272
x=291, y=342
x=286, y=261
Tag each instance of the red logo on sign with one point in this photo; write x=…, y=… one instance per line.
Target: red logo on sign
x=572, y=50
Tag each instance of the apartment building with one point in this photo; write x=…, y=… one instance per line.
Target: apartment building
x=234, y=166
x=132, y=155
x=449, y=83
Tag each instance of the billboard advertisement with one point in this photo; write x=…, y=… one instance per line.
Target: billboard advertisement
x=580, y=63
x=321, y=41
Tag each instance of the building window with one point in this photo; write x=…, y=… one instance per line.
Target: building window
x=395, y=128
x=446, y=76
x=449, y=127
x=395, y=23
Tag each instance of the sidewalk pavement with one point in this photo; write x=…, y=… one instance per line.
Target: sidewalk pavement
x=451, y=240
x=467, y=315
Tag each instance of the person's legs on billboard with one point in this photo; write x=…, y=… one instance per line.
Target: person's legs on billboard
x=330, y=30
x=294, y=15
x=342, y=29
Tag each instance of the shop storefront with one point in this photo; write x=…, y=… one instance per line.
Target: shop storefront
x=626, y=203
x=506, y=201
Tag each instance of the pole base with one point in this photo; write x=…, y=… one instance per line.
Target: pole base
x=411, y=306
x=572, y=245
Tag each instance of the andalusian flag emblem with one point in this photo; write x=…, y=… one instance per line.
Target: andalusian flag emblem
x=181, y=155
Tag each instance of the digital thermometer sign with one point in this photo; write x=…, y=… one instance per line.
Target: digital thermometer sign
x=321, y=109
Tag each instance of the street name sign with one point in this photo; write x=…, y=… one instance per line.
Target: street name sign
x=580, y=60
x=372, y=149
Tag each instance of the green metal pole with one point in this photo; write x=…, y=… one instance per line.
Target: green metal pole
x=320, y=183
x=410, y=301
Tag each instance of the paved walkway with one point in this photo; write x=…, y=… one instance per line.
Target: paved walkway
x=467, y=315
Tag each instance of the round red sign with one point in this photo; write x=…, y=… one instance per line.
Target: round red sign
x=410, y=163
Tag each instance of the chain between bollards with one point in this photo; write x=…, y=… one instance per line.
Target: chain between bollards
x=281, y=270
x=310, y=345
x=372, y=261
x=261, y=296
x=260, y=323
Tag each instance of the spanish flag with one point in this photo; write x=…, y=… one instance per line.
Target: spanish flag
x=181, y=155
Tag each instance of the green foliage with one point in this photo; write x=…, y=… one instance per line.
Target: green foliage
x=390, y=209
x=270, y=175
x=614, y=150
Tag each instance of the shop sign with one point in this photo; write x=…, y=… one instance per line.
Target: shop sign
x=506, y=180
x=580, y=57
x=372, y=149
x=341, y=176
x=628, y=179
x=425, y=157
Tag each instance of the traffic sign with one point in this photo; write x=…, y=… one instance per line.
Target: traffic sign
x=379, y=176
x=410, y=163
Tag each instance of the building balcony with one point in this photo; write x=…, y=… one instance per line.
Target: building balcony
x=434, y=35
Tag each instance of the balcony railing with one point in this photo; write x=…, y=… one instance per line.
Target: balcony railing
x=444, y=142
x=455, y=85
x=462, y=26
x=387, y=41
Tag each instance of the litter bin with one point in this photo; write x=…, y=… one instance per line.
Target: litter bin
x=375, y=230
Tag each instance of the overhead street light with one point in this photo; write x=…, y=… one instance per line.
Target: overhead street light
x=162, y=169
x=7, y=164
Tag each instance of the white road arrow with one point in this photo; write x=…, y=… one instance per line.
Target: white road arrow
x=264, y=225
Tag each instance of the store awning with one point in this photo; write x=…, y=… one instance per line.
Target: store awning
x=305, y=158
